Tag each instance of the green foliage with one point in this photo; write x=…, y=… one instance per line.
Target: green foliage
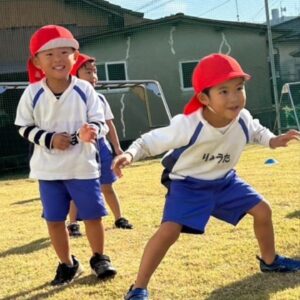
x=219, y=265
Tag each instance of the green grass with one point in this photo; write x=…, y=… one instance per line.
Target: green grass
x=219, y=265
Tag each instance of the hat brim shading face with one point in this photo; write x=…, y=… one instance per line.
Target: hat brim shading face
x=46, y=38
x=81, y=60
x=60, y=43
x=213, y=70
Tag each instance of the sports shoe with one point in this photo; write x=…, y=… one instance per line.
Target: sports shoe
x=280, y=264
x=65, y=274
x=136, y=294
x=123, y=224
x=74, y=230
x=102, y=267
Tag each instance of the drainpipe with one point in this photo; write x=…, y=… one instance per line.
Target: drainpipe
x=273, y=71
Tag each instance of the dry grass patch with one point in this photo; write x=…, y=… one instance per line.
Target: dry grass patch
x=219, y=265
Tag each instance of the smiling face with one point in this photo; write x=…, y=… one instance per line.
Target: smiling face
x=88, y=72
x=56, y=63
x=224, y=102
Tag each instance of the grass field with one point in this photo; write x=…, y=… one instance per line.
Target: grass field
x=219, y=265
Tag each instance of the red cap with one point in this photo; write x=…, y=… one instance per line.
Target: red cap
x=81, y=60
x=211, y=71
x=45, y=38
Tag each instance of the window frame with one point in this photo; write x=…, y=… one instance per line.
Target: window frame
x=106, y=64
x=180, y=65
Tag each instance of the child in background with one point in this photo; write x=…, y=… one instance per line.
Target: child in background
x=86, y=69
x=204, y=145
x=62, y=117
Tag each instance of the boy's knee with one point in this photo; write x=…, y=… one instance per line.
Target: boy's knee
x=56, y=225
x=94, y=222
x=263, y=210
x=169, y=231
x=107, y=189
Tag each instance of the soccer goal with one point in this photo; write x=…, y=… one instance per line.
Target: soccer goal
x=137, y=105
x=289, y=106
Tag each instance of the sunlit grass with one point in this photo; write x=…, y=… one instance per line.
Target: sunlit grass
x=219, y=265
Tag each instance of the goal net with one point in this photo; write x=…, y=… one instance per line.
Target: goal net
x=137, y=105
x=289, y=106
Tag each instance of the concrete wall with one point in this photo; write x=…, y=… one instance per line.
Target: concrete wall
x=155, y=53
x=289, y=65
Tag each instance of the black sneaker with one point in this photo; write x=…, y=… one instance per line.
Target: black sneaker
x=74, y=230
x=65, y=274
x=280, y=264
x=123, y=224
x=101, y=266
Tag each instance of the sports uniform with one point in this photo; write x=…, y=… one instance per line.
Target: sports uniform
x=40, y=114
x=199, y=171
x=105, y=150
x=54, y=112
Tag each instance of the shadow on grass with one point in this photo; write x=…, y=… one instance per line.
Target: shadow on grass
x=25, y=201
x=294, y=215
x=45, y=291
x=29, y=248
x=12, y=175
x=257, y=287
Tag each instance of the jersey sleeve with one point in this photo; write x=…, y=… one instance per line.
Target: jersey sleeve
x=95, y=112
x=108, y=115
x=26, y=125
x=258, y=134
x=24, y=115
x=160, y=140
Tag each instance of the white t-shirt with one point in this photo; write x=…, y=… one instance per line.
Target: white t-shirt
x=108, y=115
x=197, y=149
x=40, y=114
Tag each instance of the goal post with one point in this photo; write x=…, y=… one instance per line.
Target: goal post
x=289, y=106
x=138, y=106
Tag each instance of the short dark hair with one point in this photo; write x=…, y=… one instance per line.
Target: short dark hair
x=206, y=91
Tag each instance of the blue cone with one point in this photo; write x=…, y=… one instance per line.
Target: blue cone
x=271, y=161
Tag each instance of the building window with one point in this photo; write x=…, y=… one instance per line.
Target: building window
x=186, y=70
x=112, y=71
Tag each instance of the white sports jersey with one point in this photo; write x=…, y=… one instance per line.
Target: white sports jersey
x=198, y=149
x=40, y=114
x=108, y=115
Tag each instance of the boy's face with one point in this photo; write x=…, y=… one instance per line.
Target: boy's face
x=56, y=63
x=225, y=100
x=88, y=72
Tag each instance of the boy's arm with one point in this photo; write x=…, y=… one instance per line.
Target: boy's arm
x=258, y=134
x=26, y=124
x=36, y=135
x=95, y=113
x=113, y=137
x=262, y=135
x=156, y=142
x=283, y=139
x=120, y=162
x=49, y=140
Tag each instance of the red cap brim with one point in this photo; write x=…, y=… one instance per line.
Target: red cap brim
x=193, y=105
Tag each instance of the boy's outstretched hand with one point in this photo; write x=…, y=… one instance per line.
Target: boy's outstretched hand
x=120, y=162
x=88, y=133
x=283, y=139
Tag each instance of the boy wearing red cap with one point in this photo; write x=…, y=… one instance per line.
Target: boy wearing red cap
x=61, y=116
x=204, y=145
x=85, y=68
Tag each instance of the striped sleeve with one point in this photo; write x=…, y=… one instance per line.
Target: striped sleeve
x=37, y=136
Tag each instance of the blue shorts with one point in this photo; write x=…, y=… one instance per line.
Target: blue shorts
x=57, y=194
x=191, y=202
x=106, y=158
